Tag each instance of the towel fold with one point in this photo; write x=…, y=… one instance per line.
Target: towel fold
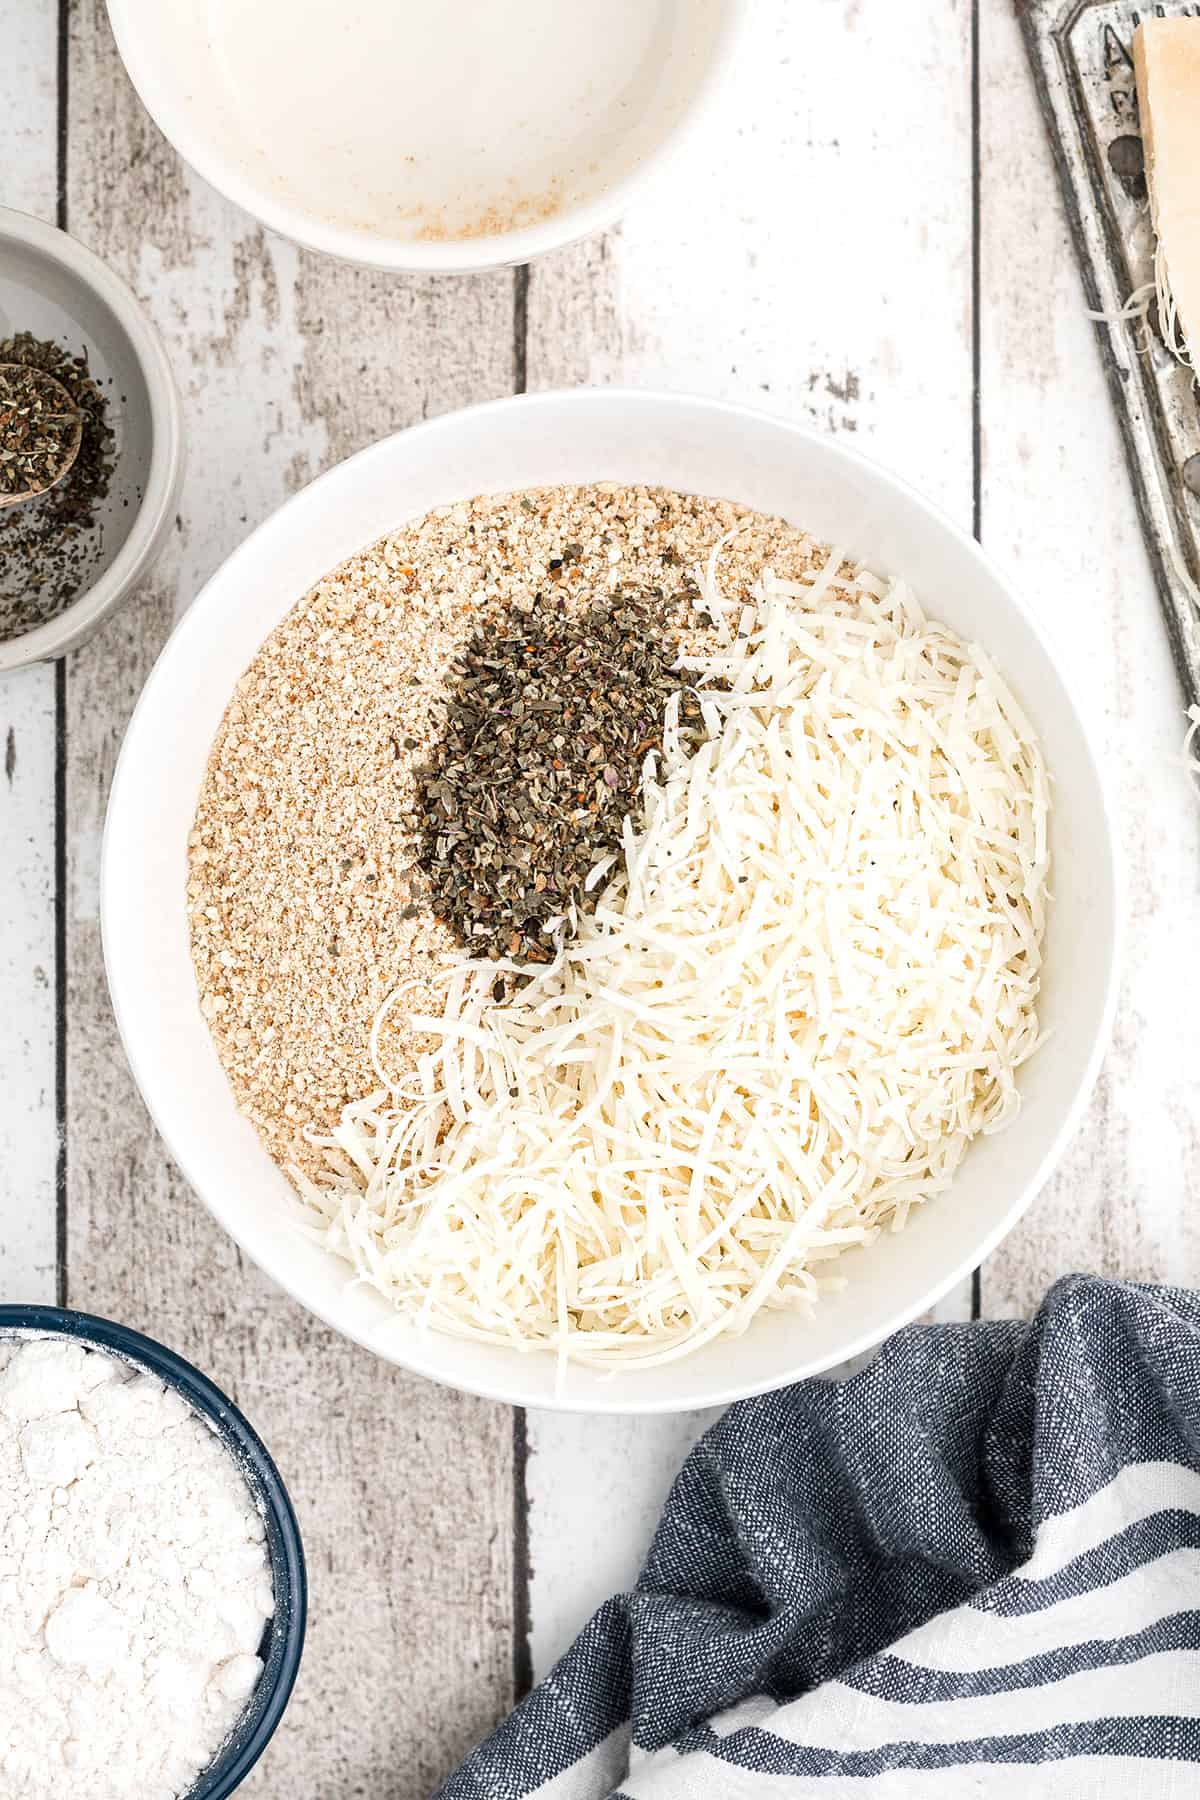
x=972, y=1569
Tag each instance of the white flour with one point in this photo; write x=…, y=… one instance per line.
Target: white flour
x=134, y=1581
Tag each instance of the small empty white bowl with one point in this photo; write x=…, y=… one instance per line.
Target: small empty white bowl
x=53, y=287
x=458, y=135
x=702, y=447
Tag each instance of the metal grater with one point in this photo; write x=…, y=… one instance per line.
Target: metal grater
x=1082, y=57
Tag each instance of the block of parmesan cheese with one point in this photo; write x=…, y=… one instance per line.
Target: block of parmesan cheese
x=1166, y=54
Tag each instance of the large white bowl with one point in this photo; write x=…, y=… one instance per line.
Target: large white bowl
x=427, y=137
x=695, y=445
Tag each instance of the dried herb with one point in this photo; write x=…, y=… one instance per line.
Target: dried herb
x=37, y=431
x=49, y=545
x=550, y=717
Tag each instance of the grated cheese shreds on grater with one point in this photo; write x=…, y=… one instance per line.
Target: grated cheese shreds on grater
x=803, y=992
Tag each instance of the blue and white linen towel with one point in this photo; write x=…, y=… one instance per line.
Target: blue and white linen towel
x=972, y=1569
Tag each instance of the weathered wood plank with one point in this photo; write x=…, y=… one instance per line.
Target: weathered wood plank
x=805, y=255
x=814, y=258
x=596, y=1489
x=404, y=1489
x=1057, y=506
x=29, y=106
x=28, y=1138
x=28, y=115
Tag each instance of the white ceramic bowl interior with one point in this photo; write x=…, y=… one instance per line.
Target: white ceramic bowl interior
x=54, y=287
x=426, y=136
x=698, y=446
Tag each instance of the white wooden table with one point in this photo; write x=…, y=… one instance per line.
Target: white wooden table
x=868, y=238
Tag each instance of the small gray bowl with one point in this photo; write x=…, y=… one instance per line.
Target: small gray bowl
x=51, y=286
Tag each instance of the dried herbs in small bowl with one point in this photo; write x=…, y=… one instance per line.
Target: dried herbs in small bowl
x=81, y=544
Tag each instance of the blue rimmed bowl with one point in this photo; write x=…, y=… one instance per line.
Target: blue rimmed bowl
x=283, y=1638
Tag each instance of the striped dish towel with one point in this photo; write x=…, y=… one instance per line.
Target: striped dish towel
x=972, y=1569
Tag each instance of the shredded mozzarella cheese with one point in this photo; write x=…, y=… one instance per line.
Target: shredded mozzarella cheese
x=804, y=988
x=1168, y=312
x=1189, y=758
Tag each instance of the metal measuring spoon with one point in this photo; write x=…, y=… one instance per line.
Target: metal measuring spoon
x=57, y=409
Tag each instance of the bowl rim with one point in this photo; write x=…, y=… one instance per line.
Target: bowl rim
x=164, y=476
x=231, y=1766
x=515, y=1392
x=378, y=250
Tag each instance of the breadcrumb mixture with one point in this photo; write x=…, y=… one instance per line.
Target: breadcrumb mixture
x=306, y=904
